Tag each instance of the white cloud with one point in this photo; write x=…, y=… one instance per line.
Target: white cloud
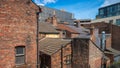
x=109, y=2
x=44, y=2
x=49, y=1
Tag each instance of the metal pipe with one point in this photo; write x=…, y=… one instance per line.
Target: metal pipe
x=61, y=57
x=37, y=41
x=37, y=37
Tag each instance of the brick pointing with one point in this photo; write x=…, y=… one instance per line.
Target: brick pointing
x=17, y=28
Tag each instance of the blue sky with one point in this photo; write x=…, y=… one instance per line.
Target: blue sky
x=82, y=9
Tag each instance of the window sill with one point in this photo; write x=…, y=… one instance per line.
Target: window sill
x=21, y=66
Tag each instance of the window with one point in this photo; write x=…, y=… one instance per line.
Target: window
x=119, y=7
x=117, y=21
x=68, y=59
x=64, y=33
x=20, y=55
x=111, y=21
x=101, y=11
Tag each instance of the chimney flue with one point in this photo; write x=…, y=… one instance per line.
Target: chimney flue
x=54, y=19
x=103, y=39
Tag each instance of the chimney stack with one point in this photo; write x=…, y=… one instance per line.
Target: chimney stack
x=54, y=19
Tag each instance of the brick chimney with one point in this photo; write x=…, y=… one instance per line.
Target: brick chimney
x=54, y=19
x=94, y=34
x=48, y=20
x=77, y=23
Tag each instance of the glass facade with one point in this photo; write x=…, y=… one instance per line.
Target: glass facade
x=117, y=21
x=108, y=11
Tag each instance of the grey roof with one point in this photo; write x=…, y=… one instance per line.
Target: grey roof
x=51, y=45
x=113, y=51
x=80, y=30
x=47, y=28
x=87, y=36
x=84, y=33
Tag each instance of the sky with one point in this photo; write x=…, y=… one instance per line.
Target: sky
x=82, y=9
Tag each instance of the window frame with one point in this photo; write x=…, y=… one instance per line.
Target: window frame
x=117, y=22
x=19, y=55
x=68, y=59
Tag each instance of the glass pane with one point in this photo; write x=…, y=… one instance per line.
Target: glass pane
x=20, y=50
x=118, y=22
x=20, y=59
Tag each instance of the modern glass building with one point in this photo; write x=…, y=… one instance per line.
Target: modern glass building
x=108, y=11
x=61, y=15
x=109, y=14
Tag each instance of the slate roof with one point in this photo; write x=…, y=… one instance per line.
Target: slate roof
x=65, y=27
x=51, y=45
x=84, y=33
x=113, y=51
x=80, y=30
x=87, y=36
x=47, y=28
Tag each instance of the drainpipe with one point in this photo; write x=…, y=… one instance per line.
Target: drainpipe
x=103, y=47
x=37, y=37
x=61, y=56
x=103, y=43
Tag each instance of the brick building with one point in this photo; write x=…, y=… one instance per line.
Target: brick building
x=55, y=53
x=112, y=42
x=66, y=32
x=47, y=30
x=114, y=30
x=18, y=25
x=86, y=54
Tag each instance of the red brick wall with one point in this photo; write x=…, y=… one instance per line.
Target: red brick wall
x=66, y=51
x=80, y=53
x=108, y=42
x=97, y=63
x=56, y=60
x=95, y=56
x=86, y=54
x=56, y=57
x=116, y=37
x=114, y=30
x=102, y=26
x=17, y=27
x=111, y=57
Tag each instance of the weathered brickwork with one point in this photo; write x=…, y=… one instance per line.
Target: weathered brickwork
x=86, y=54
x=67, y=52
x=116, y=37
x=95, y=56
x=56, y=58
x=17, y=28
x=108, y=42
x=80, y=53
x=114, y=30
